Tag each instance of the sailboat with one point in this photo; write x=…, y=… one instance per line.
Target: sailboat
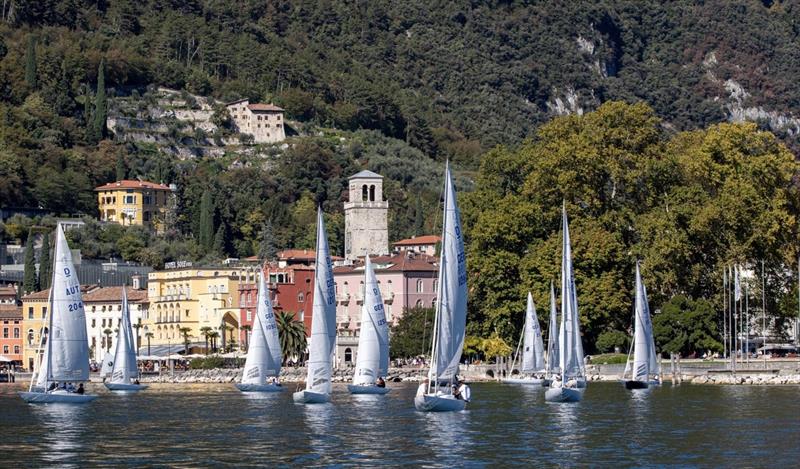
x=66, y=359
x=532, y=349
x=451, y=313
x=552, y=341
x=323, y=326
x=372, y=361
x=125, y=373
x=570, y=381
x=637, y=373
x=264, y=354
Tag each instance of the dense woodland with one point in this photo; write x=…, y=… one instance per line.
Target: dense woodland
x=398, y=87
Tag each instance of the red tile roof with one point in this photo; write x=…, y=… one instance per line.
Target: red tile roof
x=301, y=255
x=264, y=107
x=114, y=294
x=10, y=312
x=425, y=239
x=400, y=262
x=129, y=184
x=45, y=294
x=7, y=292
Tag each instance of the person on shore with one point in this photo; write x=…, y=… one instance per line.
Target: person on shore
x=80, y=389
x=380, y=382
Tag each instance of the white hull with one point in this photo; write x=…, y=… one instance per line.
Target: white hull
x=125, y=387
x=434, y=403
x=259, y=387
x=535, y=381
x=310, y=397
x=366, y=389
x=56, y=397
x=563, y=395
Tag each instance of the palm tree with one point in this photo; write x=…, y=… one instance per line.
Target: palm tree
x=231, y=342
x=108, y=332
x=138, y=326
x=206, y=331
x=292, y=334
x=246, y=330
x=148, y=335
x=213, y=335
x=185, y=332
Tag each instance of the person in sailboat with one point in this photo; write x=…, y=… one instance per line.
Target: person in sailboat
x=52, y=386
x=457, y=392
x=423, y=387
x=380, y=382
x=80, y=389
x=275, y=381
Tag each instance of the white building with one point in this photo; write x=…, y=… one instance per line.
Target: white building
x=366, y=225
x=103, y=308
x=263, y=121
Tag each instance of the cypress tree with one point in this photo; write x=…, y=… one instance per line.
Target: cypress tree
x=29, y=280
x=45, y=263
x=219, y=242
x=121, y=171
x=88, y=114
x=419, y=218
x=30, y=63
x=206, y=227
x=100, y=103
x=268, y=249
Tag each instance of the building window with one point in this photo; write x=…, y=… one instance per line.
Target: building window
x=419, y=304
x=16, y=332
x=94, y=321
x=348, y=355
x=44, y=311
x=147, y=199
x=372, y=193
x=130, y=199
x=16, y=349
x=5, y=348
x=30, y=312
x=249, y=316
x=30, y=336
x=302, y=315
x=419, y=286
x=364, y=193
x=300, y=297
x=5, y=333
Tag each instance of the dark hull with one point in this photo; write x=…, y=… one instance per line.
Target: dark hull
x=635, y=384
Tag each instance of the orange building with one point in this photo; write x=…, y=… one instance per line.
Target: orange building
x=11, y=333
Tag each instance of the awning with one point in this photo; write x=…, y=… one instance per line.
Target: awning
x=5, y=359
x=163, y=351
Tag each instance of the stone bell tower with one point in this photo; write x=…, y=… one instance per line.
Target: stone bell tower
x=366, y=226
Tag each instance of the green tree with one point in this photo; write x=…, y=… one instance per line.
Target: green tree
x=30, y=282
x=413, y=333
x=419, y=218
x=608, y=341
x=121, y=170
x=205, y=331
x=45, y=263
x=292, y=334
x=246, y=328
x=268, y=249
x=107, y=333
x=685, y=326
x=186, y=339
x=100, y=102
x=30, y=63
x=218, y=248
x=206, y=224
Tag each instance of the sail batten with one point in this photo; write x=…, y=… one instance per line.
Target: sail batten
x=373, y=342
x=323, y=321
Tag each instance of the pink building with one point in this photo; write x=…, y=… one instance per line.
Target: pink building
x=407, y=280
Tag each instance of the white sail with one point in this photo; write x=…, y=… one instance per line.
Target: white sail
x=532, y=346
x=641, y=344
x=264, y=354
x=41, y=373
x=124, y=370
x=552, y=335
x=373, y=342
x=451, y=304
x=655, y=363
x=570, y=347
x=323, y=319
x=68, y=344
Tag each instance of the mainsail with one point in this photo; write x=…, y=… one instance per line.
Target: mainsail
x=67, y=343
x=570, y=347
x=264, y=355
x=552, y=335
x=124, y=370
x=532, y=347
x=641, y=343
x=373, y=342
x=323, y=319
x=451, y=304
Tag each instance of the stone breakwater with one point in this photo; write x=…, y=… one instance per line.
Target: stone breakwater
x=744, y=378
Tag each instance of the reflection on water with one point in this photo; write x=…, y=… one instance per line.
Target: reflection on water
x=63, y=426
x=216, y=425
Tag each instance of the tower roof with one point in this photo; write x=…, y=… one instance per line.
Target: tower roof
x=365, y=174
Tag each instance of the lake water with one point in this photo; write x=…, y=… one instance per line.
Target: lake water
x=214, y=425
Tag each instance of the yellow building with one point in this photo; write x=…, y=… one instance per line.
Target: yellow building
x=193, y=297
x=35, y=307
x=133, y=202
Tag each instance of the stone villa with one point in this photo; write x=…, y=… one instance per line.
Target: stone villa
x=263, y=121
